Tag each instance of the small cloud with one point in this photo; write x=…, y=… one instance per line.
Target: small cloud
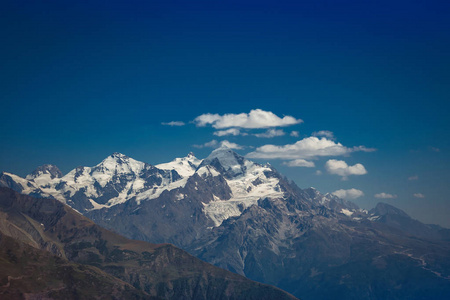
x=318, y=172
x=415, y=177
x=295, y=133
x=434, y=149
x=324, y=133
x=340, y=167
x=419, y=195
x=270, y=133
x=231, y=145
x=300, y=163
x=216, y=144
x=173, y=123
x=257, y=118
x=231, y=131
x=349, y=194
x=385, y=196
x=210, y=144
x=307, y=148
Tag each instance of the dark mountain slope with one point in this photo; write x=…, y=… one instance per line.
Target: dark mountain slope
x=158, y=270
x=30, y=273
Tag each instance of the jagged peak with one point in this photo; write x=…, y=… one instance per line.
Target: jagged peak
x=227, y=162
x=121, y=163
x=118, y=155
x=50, y=169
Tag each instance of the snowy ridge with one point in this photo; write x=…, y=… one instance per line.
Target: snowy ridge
x=154, y=193
x=184, y=166
x=119, y=178
x=115, y=180
x=248, y=182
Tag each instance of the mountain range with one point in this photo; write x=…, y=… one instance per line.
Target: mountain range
x=247, y=218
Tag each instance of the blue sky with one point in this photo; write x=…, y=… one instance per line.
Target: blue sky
x=82, y=80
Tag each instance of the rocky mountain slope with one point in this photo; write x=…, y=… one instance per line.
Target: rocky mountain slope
x=27, y=272
x=248, y=218
x=50, y=250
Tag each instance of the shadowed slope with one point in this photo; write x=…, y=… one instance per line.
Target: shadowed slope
x=159, y=270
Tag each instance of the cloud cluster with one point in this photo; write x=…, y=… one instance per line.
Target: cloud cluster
x=419, y=195
x=257, y=118
x=231, y=131
x=295, y=133
x=270, y=133
x=300, y=163
x=307, y=148
x=340, y=167
x=324, y=133
x=216, y=144
x=173, y=123
x=415, y=177
x=385, y=196
x=349, y=194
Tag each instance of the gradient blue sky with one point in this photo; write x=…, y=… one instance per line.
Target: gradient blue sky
x=80, y=80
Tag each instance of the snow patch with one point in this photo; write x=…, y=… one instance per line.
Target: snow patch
x=347, y=212
x=184, y=166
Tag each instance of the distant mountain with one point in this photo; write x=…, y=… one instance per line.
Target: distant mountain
x=248, y=218
x=49, y=250
x=115, y=180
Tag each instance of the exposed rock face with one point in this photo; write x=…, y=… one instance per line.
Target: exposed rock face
x=249, y=219
x=51, y=170
x=131, y=269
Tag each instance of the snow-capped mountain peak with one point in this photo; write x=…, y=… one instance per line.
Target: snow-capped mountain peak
x=51, y=170
x=248, y=182
x=185, y=166
x=228, y=162
x=120, y=163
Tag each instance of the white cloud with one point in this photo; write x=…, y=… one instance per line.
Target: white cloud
x=231, y=145
x=210, y=144
x=349, y=194
x=415, y=177
x=173, y=123
x=434, y=149
x=385, y=196
x=270, y=133
x=257, y=118
x=419, y=195
x=216, y=144
x=307, y=148
x=231, y=131
x=340, y=167
x=295, y=133
x=318, y=172
x=300, y=163
x=324, y=133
